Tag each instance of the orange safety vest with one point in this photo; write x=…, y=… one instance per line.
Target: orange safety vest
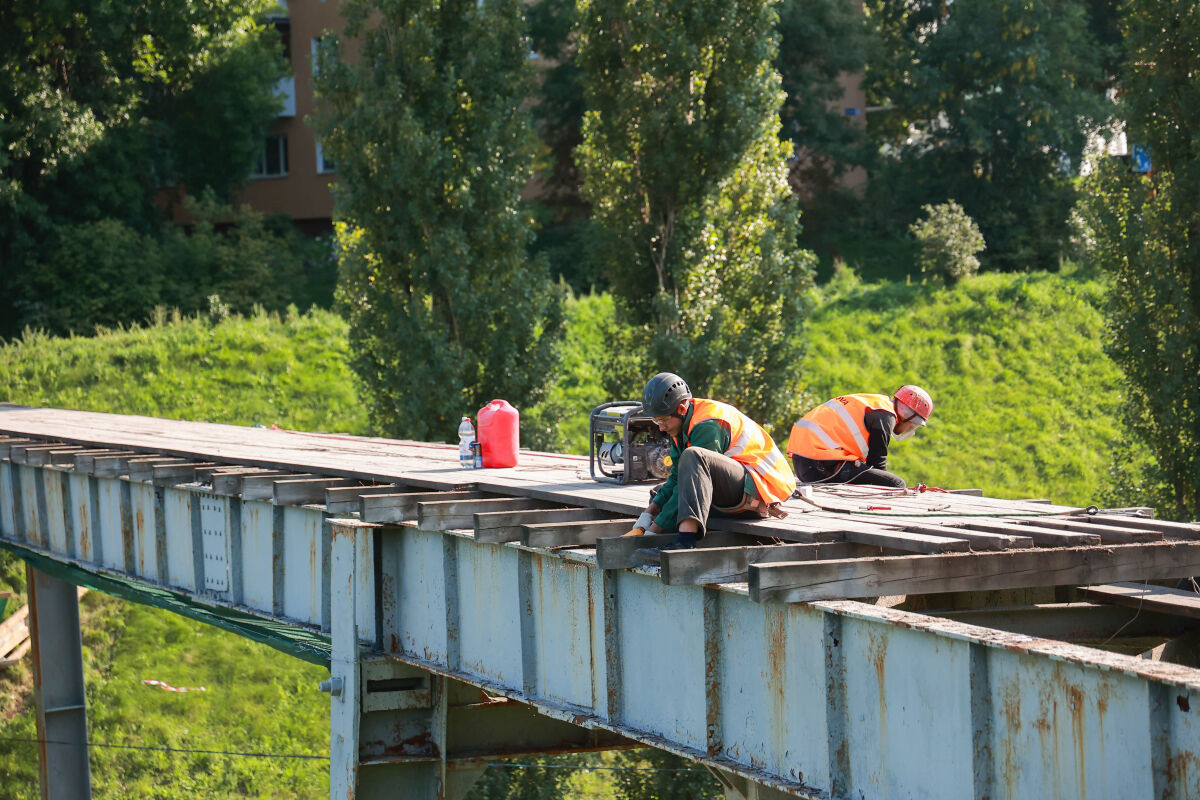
x=751, y=446
x=834, y=431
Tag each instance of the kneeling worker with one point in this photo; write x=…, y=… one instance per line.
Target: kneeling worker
x=846, y=439
x=721, y=461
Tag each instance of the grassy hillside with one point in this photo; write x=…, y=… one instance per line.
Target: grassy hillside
x=1024, y=396
x=243, y=370
x=1025, y=402
x=262, y=369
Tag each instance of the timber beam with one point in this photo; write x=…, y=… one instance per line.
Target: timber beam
x=951, y=572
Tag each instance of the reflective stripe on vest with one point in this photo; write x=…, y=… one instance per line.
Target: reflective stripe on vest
x=835, y=430
x=752, y=447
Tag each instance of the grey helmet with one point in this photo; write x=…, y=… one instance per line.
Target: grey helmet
x=663, y=394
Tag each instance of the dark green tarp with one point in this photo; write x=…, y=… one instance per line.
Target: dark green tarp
x=295, y=641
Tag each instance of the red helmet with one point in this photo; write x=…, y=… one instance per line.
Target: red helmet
x=915, y=398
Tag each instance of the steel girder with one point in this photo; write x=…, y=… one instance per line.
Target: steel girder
x=833, y=699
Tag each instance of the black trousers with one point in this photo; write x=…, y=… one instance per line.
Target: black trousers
x=811, y=471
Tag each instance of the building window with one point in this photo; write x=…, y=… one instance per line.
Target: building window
x=273, y=160
x=323, y=163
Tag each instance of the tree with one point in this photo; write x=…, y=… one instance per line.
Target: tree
x=1145, y=231
x=694, y=219
x=992, y=103
x=949, y=240
x=104, y=104
x=820, y=41
x=446, y=310
x=562, y=214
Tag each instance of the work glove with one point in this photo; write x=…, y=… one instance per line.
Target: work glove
x=639, y=527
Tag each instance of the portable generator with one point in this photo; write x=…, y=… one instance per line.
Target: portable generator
x=625, y=444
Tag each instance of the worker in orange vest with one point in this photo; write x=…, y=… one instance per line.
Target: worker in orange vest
x=845, y=440
x=721, y=461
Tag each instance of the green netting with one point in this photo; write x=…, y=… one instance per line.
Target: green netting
x=295, y=641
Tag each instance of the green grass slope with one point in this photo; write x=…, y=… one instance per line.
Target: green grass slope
x=1025, y=399
x=1025, y=402
x=260, y=369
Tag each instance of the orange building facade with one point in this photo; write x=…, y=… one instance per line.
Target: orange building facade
x=293, y=176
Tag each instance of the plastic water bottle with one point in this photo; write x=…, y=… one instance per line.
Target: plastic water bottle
x=466, y=435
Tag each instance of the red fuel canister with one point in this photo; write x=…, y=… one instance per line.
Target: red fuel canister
x=499, y=434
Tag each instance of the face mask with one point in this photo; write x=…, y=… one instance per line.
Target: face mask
x=905, y=435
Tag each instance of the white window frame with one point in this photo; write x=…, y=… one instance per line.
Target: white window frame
x=260, y=166
x=324, y=167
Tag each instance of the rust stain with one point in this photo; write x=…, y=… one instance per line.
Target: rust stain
x=139, y=525
x=84, y=532
x=1177, y=769
x=777, y=644
x=1010, y=707
x=1075, y=694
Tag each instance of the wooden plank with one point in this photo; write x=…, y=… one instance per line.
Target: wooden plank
x=85, y=460
x=978, y=540
x=960, y=572
x=65, y=457
x=566, y=534
x=506, y=526
x=402, y=506
x=731, y=564
x=345, y=499
x=39, y=456
x=1162, y=599
x=17, y=654
x=142, y=469
x=446, y=515
x=1045, y=537
x=1174, y=530
x=262, y=487
x=109, y=466
x=14, y=629
x=909, y=542
x=786, y=529
x=230, y=482
x=1109, y=534
x=7, y=442
x=19, y=453
x=304, y=491
x=175, y=474
x=616, y=552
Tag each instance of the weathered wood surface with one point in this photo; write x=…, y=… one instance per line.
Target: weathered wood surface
x=617, y=552
x=1146, y=596
x=506, y=526
x=343, y=499
x=574, y=534
x=256, y=462
x=731, y=564
x=402, y=506
x=959, y=572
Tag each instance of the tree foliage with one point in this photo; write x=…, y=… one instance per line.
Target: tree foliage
x=563, y=215
x=949, y=241
x=820, y=41
x=695, y=222
x=104, y=104
x=990, y=103
x=446, y=309
x=1145, y=230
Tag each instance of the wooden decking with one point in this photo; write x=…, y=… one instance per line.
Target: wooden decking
x=835, y=542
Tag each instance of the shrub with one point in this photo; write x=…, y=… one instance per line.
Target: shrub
x=949, y=240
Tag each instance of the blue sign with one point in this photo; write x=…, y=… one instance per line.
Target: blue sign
x=1139, y=159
